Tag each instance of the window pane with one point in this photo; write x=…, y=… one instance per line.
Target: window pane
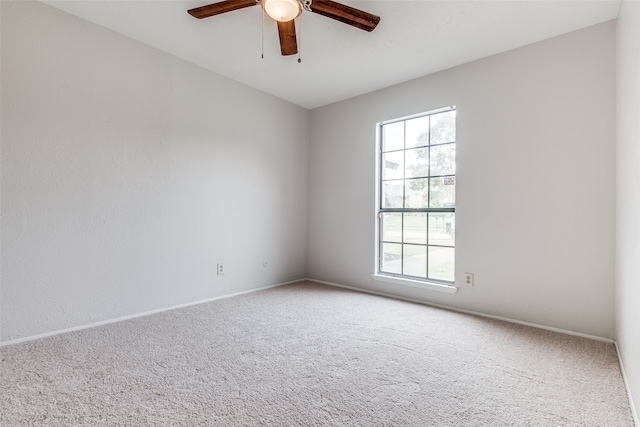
x=443, y=127
x=393, y=136
x=393, y=165
x=442, y=263
x=417, y=161
x=442, y=192
x=442, y=229
x=392, y=227
x=415, y=228
x=416, y=193
x=392, y=194
x=417, y=132
x=415, y=260
x=443, y=160
x=391, y=258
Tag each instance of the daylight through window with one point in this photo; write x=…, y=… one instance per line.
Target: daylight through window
x=417, y=198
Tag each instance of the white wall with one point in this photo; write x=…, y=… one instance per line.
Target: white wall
x=127, y=174
x=535, y=188
x=628, y=196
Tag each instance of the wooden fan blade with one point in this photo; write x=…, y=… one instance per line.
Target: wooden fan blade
x=220, y=7
x=347, y=14
x=287, y=33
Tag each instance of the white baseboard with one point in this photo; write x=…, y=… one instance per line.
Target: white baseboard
x=353, y=288
x=459, y=310
x=133, y=316
x=634, y=413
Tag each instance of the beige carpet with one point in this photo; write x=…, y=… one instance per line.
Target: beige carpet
x=312, y=355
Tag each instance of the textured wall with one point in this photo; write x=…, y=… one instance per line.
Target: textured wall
x=535, y=188
x=127, y=174
x=628, y=196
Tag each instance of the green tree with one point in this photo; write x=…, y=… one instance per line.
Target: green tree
x=436, y=158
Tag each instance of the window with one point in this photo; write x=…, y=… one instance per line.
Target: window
x=417, y=198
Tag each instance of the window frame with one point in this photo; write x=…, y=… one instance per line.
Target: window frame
x=400, y=278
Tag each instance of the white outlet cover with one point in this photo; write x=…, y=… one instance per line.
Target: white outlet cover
x=468, y=279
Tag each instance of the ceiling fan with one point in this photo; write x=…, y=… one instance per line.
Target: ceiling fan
x=285, y=12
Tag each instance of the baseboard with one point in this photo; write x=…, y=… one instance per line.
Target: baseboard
x=459, y=310
x=634, y=413
x=353, y=288
x=145, y=313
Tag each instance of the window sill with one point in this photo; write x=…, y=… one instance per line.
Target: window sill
x=431, y=286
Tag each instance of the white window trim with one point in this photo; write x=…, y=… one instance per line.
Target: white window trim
x=403, y=281
x=431, y=286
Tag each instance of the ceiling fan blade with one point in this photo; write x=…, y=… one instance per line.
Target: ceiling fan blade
x=347, y=14
x=220, y=7
x=287, y=33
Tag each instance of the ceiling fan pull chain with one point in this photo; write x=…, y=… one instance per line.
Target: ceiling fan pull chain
x=299, y=39
x=262, y=15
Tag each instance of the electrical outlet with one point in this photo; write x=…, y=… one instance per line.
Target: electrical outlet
x=220, y=269
x=468, y=279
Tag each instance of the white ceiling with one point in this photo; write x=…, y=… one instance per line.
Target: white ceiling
x=414, y=38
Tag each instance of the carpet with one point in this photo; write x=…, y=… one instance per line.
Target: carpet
x=312, y=355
